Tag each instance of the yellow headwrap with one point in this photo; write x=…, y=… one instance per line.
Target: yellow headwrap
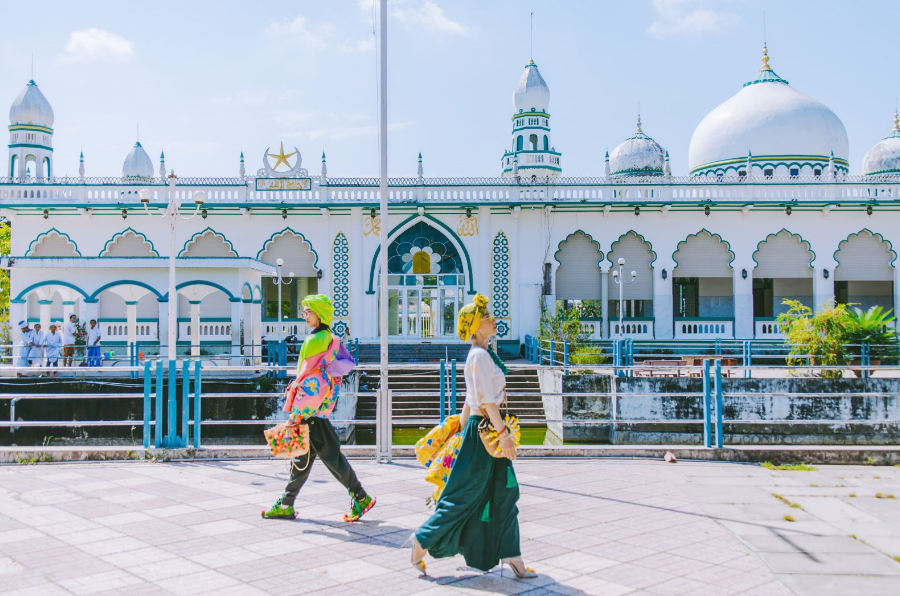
x=469, y=319
x=321, y=305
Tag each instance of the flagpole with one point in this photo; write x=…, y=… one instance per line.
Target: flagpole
x=383, y=424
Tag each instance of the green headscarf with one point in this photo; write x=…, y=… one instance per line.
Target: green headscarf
x=321, y=305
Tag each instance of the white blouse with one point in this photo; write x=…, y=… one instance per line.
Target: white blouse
x=484, y=379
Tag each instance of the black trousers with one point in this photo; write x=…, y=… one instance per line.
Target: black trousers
x=324, y=443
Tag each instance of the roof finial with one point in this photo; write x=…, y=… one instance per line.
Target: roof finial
x=638, y=131
x=896, y=122
x=32, y=66
x=530, y=40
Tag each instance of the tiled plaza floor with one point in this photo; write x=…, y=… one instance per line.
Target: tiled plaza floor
x=588, y=527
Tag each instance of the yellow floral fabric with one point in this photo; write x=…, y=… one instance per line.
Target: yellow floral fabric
x=469, y=319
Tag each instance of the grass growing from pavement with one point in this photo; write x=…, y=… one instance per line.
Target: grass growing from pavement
x=789, y=467
x=788, y=518
x=786, y=501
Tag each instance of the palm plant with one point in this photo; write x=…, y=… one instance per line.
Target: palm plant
x=874, y=327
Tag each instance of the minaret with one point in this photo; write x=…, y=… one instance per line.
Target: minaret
x=30, y=135
x=324, y=174
x=81, y=166
x=419, y=170
x=667, y=170
x=606, y=169
x=531, y=140
x=242, y=170
x=162, y=165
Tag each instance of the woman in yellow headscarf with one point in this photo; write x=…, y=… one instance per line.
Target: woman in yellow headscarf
x=476, y=514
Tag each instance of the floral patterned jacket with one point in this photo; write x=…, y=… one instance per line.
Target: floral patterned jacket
x=314, y=393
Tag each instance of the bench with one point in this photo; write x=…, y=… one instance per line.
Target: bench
x=676, y=364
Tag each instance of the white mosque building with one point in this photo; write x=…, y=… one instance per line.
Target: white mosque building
x=769, y=210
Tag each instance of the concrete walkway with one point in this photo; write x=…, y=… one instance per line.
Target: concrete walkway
x=589, y=526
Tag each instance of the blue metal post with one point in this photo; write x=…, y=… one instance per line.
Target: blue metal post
x=552, y=352
x=566, y=356
x=148, y=385
x=172, y=418
x=443, y=390
x=197, y=393
x=453, y=395
x=720, y=432
x=185, y=438
x=707, y=430
x=158, y=396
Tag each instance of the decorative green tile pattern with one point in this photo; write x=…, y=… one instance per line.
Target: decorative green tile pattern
x=500, y=284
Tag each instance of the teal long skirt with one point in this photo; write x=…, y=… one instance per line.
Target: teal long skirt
x=476, y=516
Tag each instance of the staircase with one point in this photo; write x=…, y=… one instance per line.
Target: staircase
x=416, y=395
x=424, y=351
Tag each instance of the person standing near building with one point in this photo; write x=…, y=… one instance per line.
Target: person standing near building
x=25, y=340
x=38, y=341
x=69, y=333
x=54, y=345
x=476, y=514
x=93, y=344
x=322, y=358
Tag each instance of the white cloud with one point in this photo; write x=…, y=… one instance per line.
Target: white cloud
x=689, y=17
x=300, y=31
x=91, y=44
x=424, y=15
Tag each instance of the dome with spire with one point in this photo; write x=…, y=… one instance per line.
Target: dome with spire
x=137, y=163
x=786, y=131
x=531, y=93
x=884, y=157
x=638, y=155
x=31, y=107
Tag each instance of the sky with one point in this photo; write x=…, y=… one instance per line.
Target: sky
x=206, y=80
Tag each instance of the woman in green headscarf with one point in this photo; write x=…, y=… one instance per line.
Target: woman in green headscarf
x=322, y=362
x=476, y=515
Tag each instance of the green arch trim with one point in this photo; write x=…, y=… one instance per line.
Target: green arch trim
x=408, y=222
x=42, y=235
x=641, y=236
x=200, y=282
x=249, y=288
x=258, y=294
x=566, y=239
x=792, y=235
x=51, y=282
x=122, y=233
x=685, y=241
x=201, y=233
x=856, y=234
x=281, y=234
x=128, y=282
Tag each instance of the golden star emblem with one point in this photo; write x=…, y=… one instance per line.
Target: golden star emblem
x=281, y=157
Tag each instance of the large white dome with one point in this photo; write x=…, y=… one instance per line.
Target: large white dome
x=531, y=92
x=137, y=163
x=31, y=107
x=638, y=155
x=884, y=157
x=776, y=123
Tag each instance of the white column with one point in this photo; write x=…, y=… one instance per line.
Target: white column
x=483, y=264
x=663, y=313
x=512, y=234
x=195, y=327
x=743, y=303
x=161, y=330
x=131, y=320
x=256, y=326
x=358, y=273
x=68, y=308
x=45, y=306
x=237, y=312
x=91, y=311
x=823, y=289
x=604, y=303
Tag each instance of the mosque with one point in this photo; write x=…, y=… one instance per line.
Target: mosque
x=769, y=210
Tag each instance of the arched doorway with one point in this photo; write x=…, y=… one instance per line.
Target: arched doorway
x=426, y=283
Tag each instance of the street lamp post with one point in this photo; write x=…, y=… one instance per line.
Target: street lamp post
x=279, y=281
x=619, y=277
x=172, y=212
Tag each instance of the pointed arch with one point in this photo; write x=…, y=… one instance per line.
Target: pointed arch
x=207, y=232
x=436, y=223
x=51, y=282
x=697, y=260
x=129, y=230
x=579, y=274
x=870, y=232
x=52, y=232
x=128, y=282
x=787, y=262
x=274, y=237
x=858, y=262
x=612, y=247
x=575, y=233
x=639, y=257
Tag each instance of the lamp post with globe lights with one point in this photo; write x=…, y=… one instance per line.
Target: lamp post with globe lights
x=619, y=277
x=173, y=213
x=279, y=281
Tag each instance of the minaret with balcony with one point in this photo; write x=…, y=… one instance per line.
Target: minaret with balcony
x=30, y=135
x=531, y=154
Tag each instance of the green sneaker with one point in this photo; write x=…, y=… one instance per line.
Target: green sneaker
x=279, y=511
x=359, y=508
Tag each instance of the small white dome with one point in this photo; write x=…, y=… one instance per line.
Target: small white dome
x=137, y=163
x=31, y=107
x=771, y=120
x=884, y=157
x=638, y=155
x=531, y=93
